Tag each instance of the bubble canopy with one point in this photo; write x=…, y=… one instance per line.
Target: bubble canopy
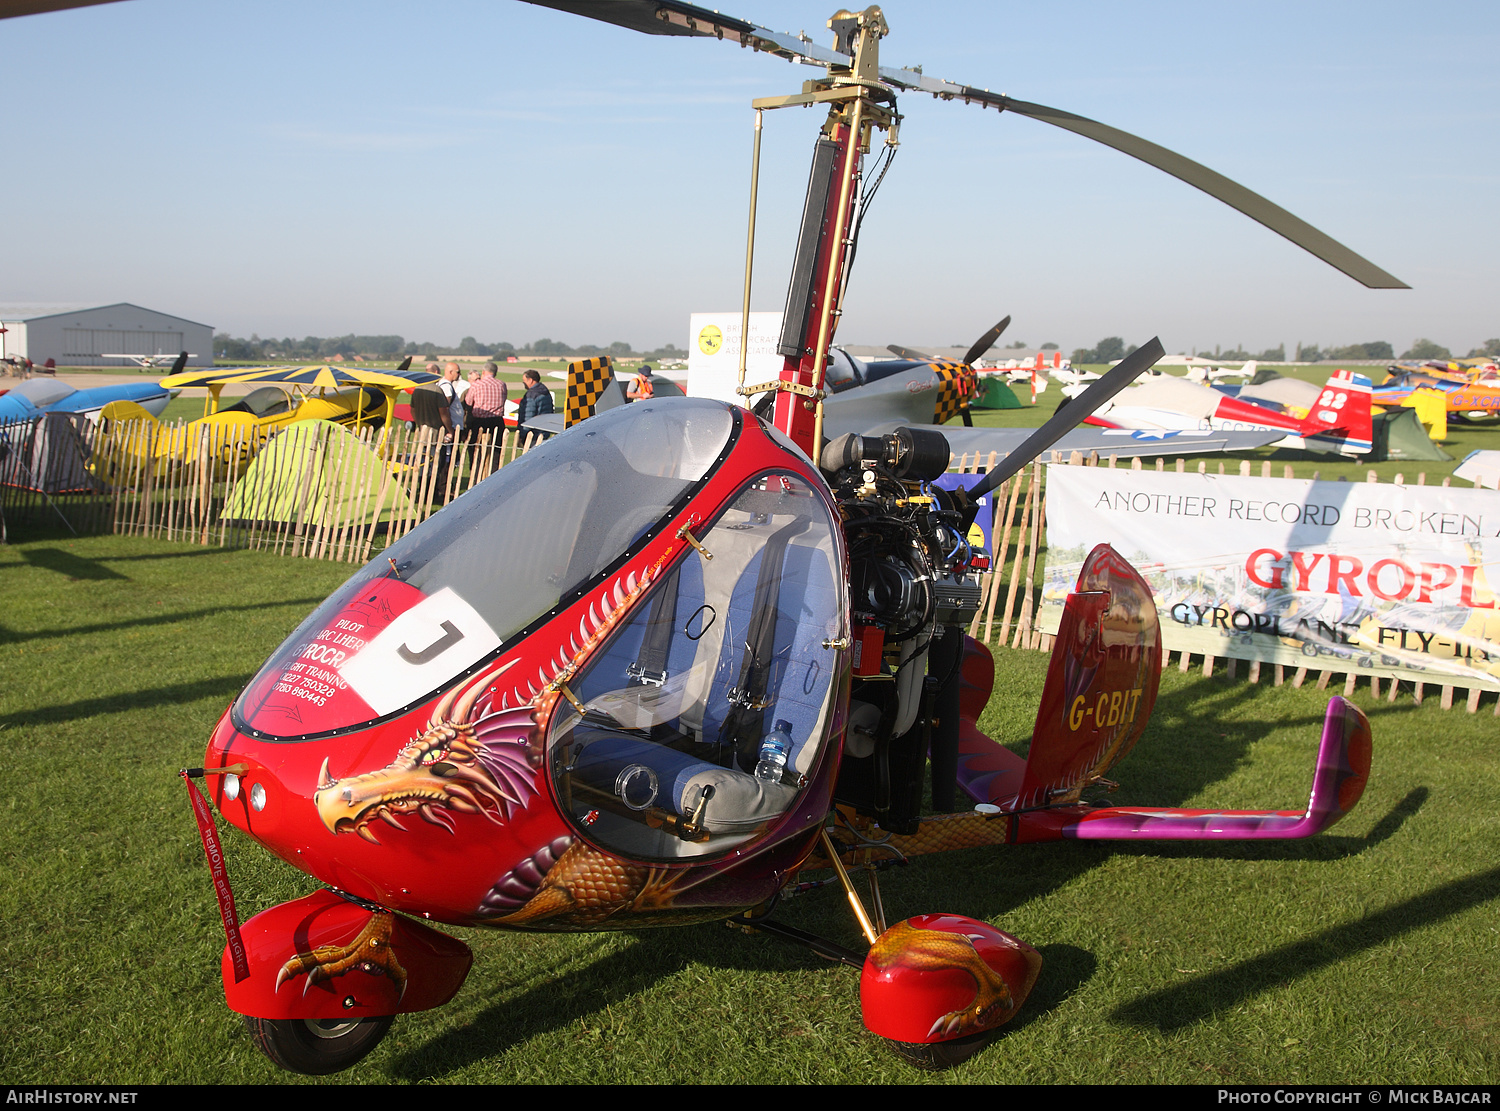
x=479, y=573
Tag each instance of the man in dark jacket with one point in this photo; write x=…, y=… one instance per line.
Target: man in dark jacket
x=536, y=400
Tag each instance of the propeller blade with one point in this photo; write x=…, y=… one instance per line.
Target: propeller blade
x=405, y=363
x=179, y=363
x=985, y=342
x=1142, y=359
x=908, y=353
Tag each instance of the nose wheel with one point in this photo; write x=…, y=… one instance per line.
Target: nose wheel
x=317, y=1046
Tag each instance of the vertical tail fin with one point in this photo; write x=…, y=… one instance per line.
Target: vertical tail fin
x=1340, y=418
x=1101, y=681
x=588, y=379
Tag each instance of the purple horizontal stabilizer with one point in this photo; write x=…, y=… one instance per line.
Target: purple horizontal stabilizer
x=1343, y=768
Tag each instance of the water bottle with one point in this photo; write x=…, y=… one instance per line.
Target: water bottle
x=774, y=750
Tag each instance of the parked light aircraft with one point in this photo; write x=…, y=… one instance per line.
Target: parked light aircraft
x=152, y=361
x=1336, y=420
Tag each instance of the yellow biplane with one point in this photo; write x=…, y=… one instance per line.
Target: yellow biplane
x=231, y=434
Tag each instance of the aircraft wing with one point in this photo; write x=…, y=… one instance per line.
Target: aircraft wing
x=1121, y=442
x=551, y=423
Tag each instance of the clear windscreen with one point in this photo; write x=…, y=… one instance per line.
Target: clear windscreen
x=453, y=590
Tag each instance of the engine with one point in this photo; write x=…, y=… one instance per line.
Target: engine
x=913, y=590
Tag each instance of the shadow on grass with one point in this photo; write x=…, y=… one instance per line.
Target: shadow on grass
x=66, y=563
x=552, y=1003
x=1200, y=999
x=8, y=636
x=224, y=687
x=1187, y=751
x=1065, y=969
x=22, y=546
x=187, y=554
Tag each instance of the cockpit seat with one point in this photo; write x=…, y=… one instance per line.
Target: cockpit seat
x=645, y=776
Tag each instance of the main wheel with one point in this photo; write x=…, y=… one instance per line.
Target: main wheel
x=937, y=1056
x=317, y=1046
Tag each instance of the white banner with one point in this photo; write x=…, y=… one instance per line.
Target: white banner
x=1340, y=576
x=714, y=353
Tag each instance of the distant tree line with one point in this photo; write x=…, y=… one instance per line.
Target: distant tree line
x=1420, y=349
x=1112, y=348
x=1311, y=353
x=315, y=348
x=1107, y=350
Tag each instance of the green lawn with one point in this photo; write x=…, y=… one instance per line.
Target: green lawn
x=1365, y=955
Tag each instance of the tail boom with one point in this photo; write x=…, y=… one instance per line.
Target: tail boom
x=1342, y=771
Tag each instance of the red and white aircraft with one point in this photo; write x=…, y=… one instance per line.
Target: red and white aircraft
x=1336, y=419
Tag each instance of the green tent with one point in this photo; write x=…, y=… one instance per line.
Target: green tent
x=995, y=394
x=321, y=474
x=1398, y=434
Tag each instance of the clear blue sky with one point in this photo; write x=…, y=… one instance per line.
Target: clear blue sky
x=489, y=168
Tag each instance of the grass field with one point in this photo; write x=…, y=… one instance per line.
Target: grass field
x=1365, y=955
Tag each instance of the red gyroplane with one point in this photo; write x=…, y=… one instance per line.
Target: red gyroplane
x=664, y=665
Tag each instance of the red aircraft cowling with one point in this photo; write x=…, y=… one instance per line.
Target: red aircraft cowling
x=938, y=977
x=395, y=965
x=457, y=806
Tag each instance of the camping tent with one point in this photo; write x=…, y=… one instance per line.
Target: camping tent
x=318, y=473
x=48, y=454
x=1398, y=434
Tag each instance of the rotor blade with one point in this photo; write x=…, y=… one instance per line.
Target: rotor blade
x=643, y=15
x=670, y=17
x=908, y=353
x=1215, y=184
x=1142, y=359
x=12, y=8
x=1219, y=187
x=985, y=342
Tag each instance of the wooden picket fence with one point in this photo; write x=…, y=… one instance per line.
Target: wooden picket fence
x=1020, y=538
x=344, y=496
x=328, y=494
x=322, y=493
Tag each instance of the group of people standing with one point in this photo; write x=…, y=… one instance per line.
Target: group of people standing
x=477, y=404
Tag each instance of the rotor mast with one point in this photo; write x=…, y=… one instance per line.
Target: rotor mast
x=858, y=103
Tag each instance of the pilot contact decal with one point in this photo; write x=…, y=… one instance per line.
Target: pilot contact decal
x=1338, y=576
